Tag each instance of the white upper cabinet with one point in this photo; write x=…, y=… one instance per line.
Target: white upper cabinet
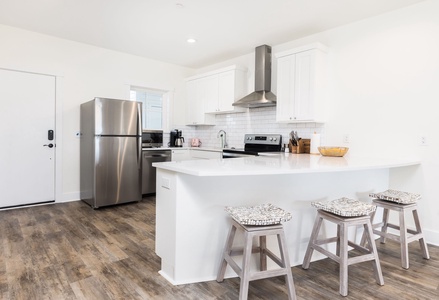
x=197, y=92
x=301, y=82
x=214, y=93
x=231, y=87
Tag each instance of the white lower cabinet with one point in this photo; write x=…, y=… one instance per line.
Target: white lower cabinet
x=180, y=154
x=188, y=154
x=301, y=83
x=203, y=154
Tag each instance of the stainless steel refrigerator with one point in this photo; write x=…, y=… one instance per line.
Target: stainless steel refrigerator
x=111, y=152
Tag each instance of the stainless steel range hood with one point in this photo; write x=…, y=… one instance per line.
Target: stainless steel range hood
x=262, y=96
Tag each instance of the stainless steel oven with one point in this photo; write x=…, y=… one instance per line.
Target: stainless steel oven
x=254, y=144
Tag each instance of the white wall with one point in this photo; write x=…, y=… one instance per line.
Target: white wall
x=383, y=79
x=84, y=72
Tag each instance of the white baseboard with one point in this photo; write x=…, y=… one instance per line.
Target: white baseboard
x=68, y=197
x=431, y=236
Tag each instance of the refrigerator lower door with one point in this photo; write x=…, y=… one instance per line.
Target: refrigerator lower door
x=118, y=170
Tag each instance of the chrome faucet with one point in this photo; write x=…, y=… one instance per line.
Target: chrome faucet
x=223, y=135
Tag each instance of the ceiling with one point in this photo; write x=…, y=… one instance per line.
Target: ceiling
x=158, y=29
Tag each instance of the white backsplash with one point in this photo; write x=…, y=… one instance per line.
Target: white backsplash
x=256, y=120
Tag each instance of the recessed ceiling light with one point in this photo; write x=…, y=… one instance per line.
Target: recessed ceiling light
x=191, y=40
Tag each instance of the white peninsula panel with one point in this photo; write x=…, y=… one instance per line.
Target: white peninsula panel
x=192, y=226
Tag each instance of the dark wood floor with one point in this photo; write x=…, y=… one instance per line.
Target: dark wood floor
x=70, y=251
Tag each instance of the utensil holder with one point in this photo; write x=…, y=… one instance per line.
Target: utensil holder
x=293, y=149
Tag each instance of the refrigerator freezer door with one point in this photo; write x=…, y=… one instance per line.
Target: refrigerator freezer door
x=118, y=117
x=118, y=173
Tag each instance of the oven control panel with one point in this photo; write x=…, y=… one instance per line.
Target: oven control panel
x=263, y=139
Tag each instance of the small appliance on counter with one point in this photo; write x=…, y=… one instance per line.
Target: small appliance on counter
x=195, y=142
x=152, y=138
x=176, y=139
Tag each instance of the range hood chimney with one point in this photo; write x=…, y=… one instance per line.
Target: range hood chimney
x=262, y=96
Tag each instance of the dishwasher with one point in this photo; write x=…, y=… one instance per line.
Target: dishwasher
x=148, y=171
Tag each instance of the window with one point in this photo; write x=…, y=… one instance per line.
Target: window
x=152, y=106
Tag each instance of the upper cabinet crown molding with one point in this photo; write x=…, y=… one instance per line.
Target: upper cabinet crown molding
x=317, y=46
x=301, y=84
x=214, y=72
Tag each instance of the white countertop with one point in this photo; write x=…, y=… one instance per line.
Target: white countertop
x=281, y=163
x=184, y=148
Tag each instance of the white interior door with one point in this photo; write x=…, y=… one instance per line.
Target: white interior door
x=27, y=113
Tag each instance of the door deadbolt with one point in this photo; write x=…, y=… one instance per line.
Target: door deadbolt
x=50, y=135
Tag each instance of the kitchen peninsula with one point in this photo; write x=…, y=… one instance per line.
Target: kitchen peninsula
x=192, y=226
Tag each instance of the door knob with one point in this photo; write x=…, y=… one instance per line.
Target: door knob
x=49, y=145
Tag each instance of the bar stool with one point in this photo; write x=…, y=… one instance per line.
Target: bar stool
x=401, y=202
x=344, y=212
x=257, y=221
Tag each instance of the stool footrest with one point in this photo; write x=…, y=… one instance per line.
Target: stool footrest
x=326, y=241
x=240, y=251
x=414, y=237
x=360, y=259
x=267, y=274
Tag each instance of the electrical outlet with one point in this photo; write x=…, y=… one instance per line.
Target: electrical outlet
x=423, y=140
x=166, y=183
x=346, y=138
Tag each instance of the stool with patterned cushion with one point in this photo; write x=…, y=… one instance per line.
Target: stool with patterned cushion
x=401, y=202
x=344, y=212
x=257, y=221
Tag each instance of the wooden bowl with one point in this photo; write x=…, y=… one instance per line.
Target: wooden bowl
x=333, y=151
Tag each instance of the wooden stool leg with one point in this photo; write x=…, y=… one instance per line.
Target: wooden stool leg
x=363, y=237
x=422, y=242
x=243, y=289
x=315, y=232
x=227, y=248
x=343, y=259
x=263, y=253
x=337, y=246
x=286, y=261
x=403, y=240
x=385, y=222
x=368, y=233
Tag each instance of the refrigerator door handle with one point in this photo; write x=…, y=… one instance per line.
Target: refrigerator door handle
x=139, y=133
x=139, y=119
x=139, y=153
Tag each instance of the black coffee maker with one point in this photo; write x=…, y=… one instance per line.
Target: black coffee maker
x=176, y=139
